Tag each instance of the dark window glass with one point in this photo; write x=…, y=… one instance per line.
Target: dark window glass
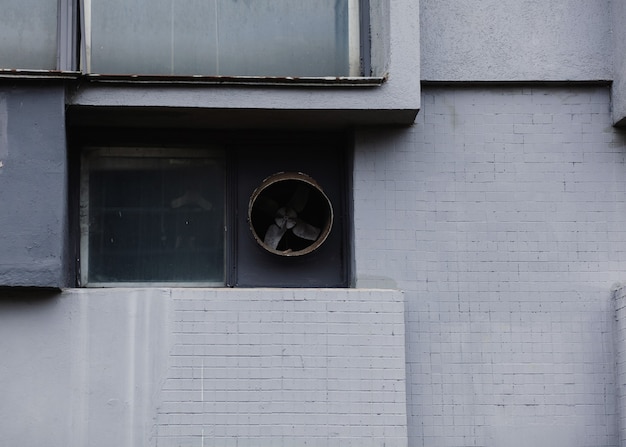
x=158, y=219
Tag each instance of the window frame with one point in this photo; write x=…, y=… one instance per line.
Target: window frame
x=249, y=156
x=67, y=42
x=359, y=59
x=146, y=152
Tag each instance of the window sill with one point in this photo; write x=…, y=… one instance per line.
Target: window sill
x=153, y=285
x=16, y=73
x=326, y=81
x=243, y=102
x=261, y=81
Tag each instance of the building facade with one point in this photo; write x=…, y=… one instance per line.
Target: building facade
x=457, y=185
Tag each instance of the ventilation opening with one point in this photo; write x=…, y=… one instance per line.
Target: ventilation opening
x=289, y=214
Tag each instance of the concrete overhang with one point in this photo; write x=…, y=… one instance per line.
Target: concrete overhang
x=390, y=96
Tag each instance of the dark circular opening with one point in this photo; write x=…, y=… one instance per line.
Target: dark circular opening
x=289, y=214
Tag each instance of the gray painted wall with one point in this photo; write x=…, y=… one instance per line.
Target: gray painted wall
x=33, y=192
x=175, y=367
x=502, y=216
x=619, y=302
x=513, y=40
x=37, y=346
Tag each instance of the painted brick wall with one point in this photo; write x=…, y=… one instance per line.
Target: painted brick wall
x=203, y=367
x=271, y=367
x=619, y=334
x=502, y=215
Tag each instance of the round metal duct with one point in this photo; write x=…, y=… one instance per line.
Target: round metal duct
x=289, y=214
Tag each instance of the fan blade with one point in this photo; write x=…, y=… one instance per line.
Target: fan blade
x=300, y=197
x=273, y=235
x=286, y=218
x=306, y=231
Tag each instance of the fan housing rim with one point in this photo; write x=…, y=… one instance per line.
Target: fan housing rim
x=291, y=176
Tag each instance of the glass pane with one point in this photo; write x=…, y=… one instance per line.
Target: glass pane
x=156, y=220
x=283, y=37
x=28, y=34
x=220, y=37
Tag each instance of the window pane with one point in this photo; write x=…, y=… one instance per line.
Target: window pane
x=156, y=220
x=220, y=37
x=283, y=37
x=28, y=34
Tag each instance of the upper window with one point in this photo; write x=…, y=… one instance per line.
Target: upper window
x=282, y=38
x=28, y=34
x=290, y=41
x=38, y=37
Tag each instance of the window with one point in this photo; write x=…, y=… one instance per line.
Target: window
x=28, y=34
x=152, y=216
x=227, y=38
x=37, y=36
x=284, y=38
x=248, y=209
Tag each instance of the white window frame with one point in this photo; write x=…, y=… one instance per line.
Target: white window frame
x=354, y=38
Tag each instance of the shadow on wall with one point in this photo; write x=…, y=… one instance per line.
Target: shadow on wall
x=619, y=139
x=27, y=294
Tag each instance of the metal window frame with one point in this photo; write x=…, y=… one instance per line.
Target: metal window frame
x=359, y=58
x=67, y=36
x=365, y=38
x=89, y=153
x=66, y=51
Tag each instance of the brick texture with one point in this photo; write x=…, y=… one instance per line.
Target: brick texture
x=619, y=300
x=502, y=215
x=269, y=367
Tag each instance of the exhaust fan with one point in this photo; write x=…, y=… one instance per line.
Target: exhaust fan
x=289, y=214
